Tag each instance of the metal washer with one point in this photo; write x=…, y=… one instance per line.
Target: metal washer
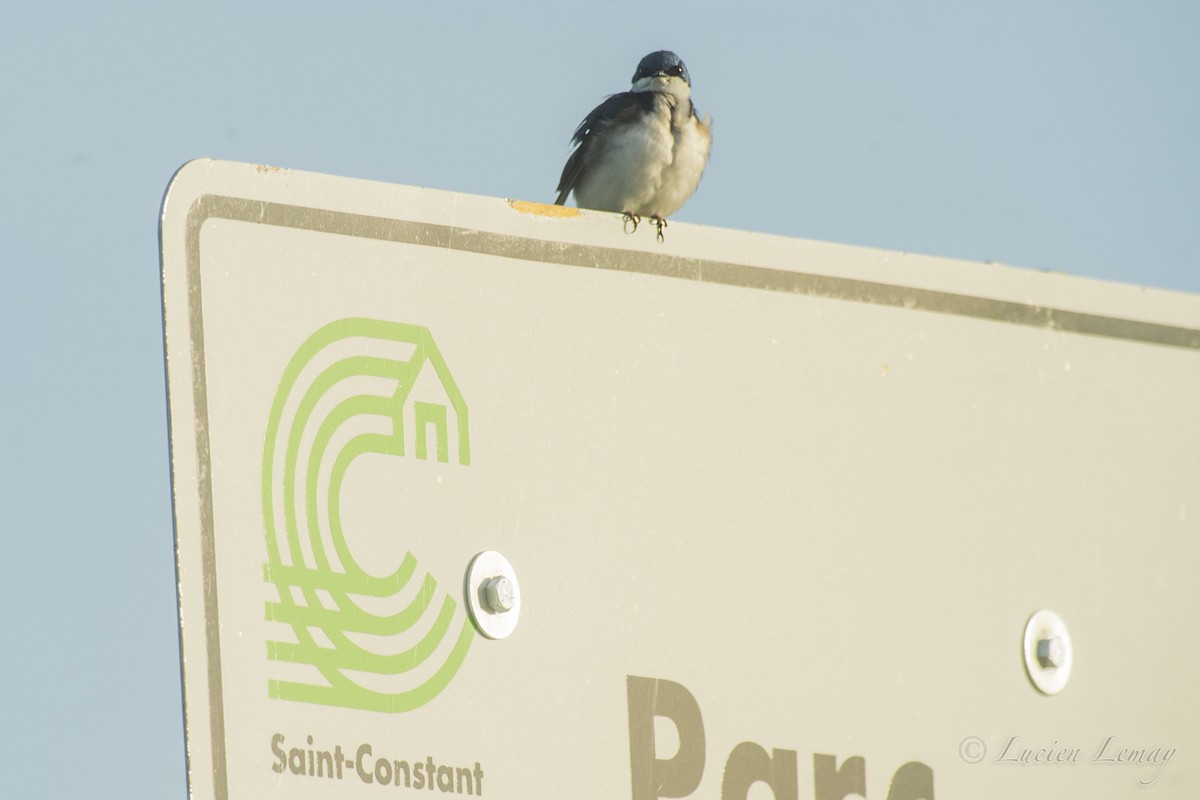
x=491, y=623
x=1046, y=626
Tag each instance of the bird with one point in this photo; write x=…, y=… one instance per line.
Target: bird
x=640, y=152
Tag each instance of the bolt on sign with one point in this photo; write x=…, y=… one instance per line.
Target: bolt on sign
x=487, y=498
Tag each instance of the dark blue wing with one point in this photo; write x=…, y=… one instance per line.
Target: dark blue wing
x=603, y=115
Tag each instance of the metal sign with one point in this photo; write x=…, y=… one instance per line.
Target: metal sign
x=487, y=498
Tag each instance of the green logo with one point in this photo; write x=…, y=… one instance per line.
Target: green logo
x=356, y=387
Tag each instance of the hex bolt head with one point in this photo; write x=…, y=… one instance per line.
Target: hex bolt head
x=499, y=594
x=1051, y=653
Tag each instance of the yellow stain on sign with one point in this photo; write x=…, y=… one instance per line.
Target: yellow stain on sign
x=543, y=209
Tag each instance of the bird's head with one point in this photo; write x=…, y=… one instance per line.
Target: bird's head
x=662, y=71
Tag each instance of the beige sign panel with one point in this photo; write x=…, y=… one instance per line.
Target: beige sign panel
x=478, y=497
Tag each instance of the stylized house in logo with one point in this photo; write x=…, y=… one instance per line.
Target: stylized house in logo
x=347, y=637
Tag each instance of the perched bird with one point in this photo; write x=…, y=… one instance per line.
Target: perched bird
x=640, y=152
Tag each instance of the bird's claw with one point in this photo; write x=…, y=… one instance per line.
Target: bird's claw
x=660, y=223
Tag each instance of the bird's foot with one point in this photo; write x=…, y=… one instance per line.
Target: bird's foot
x=660, y=223
x=634, y=218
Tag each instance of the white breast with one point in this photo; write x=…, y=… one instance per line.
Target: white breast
x=647, y=168
x=682, y=176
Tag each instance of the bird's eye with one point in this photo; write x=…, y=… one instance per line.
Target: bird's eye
x=676, y=70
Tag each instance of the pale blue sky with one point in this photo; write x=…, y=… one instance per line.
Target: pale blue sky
x=1052, y=135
